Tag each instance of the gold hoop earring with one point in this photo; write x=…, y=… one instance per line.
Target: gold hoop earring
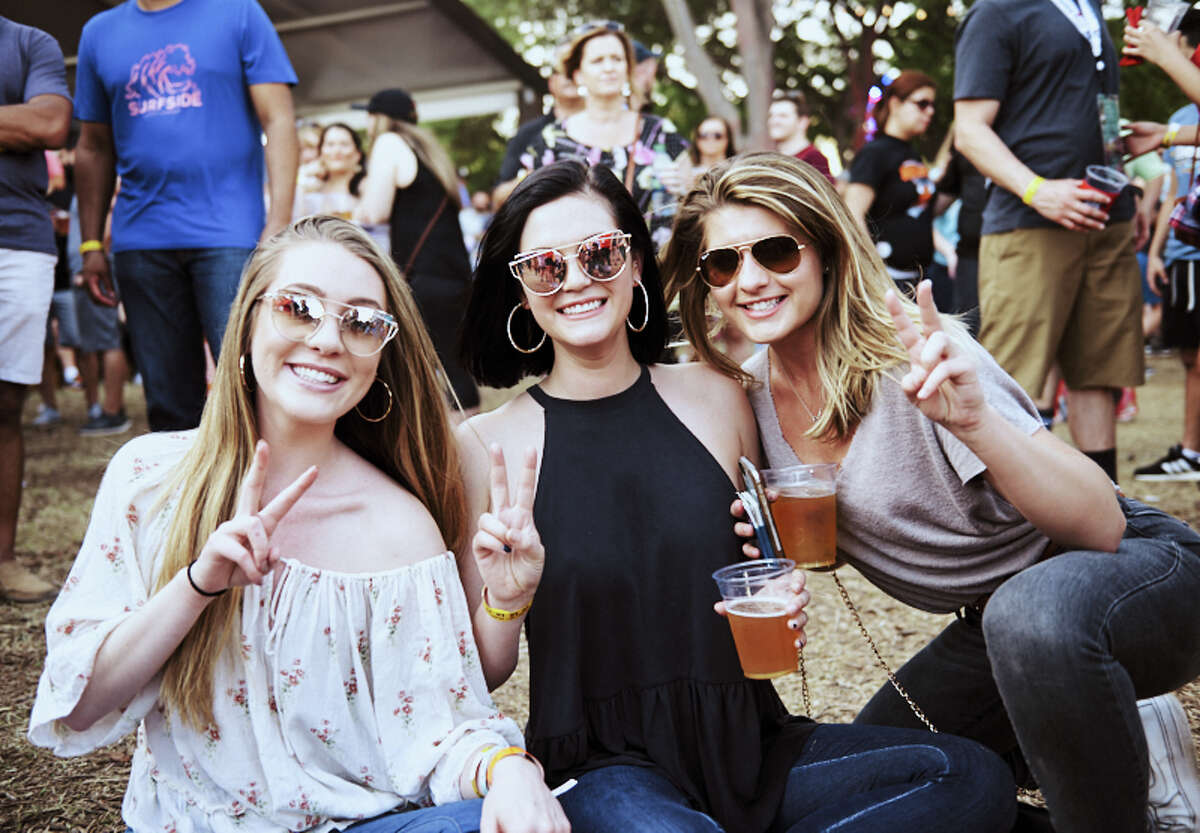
x=242, y=372
x=513, y=342
x=646, y=317
x=382, y=416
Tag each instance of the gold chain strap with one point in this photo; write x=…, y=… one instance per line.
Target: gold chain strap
x=878, y=657
x=804, y=685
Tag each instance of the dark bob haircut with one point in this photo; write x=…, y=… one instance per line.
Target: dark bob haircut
x=484, y=346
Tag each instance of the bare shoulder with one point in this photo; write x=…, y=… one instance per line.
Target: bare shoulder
x=698, y=381
x=395, y=514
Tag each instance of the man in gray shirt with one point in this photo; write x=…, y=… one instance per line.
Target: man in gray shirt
x=1058, y=280
x=35, y=114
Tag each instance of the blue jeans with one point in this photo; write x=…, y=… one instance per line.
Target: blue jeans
x=1052, y=671
x=175, y=299
x=456, y=817
x=849, y=779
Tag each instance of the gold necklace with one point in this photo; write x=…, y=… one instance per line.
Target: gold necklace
x=783, y=372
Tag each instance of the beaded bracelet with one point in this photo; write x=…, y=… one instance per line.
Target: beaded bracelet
x=1032, y=188
x=504, y=615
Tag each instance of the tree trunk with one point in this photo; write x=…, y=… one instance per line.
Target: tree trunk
x=754, y=21
x=708, y=80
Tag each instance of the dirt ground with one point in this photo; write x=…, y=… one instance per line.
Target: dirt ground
x=39, y=792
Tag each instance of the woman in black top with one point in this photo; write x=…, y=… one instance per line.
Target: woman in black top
x=411, y=185
x=890, y=192
x=635, y=686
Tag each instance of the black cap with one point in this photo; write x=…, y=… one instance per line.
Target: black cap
x=394, y=103
x=641, y=53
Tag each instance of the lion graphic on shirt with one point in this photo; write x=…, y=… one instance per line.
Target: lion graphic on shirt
x=162, y=73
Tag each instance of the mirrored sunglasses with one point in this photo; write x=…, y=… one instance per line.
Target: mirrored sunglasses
x=778, y=253
x=297, y=315
x=544, y=271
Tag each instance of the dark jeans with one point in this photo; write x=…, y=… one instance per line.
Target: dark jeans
x=850, y=779
x=175, y=299
x=1052, y=672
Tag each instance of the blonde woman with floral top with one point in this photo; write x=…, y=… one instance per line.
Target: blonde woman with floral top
x=269, y=601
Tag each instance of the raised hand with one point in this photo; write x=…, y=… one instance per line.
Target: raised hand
x=1149, y=42
x=239, y=551
x=942, y=381
x=507, y=547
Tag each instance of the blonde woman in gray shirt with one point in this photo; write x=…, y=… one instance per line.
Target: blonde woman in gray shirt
x=1072, y=600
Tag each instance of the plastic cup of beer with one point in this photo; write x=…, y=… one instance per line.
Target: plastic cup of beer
x=1106, y=180
x=756, y=595
x=805, y=513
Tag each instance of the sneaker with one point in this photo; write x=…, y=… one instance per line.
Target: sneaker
x=1175, y=466
x=47, y=417
x=94, y=410
x=20, y=585
x=99, y=426
x=1127, y=406
x=1174, y=799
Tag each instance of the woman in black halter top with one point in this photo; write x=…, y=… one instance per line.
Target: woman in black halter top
x=604, y=552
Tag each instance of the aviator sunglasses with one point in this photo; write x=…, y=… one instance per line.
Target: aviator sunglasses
x=778, y=253
x=544, y=271
x=297, y=315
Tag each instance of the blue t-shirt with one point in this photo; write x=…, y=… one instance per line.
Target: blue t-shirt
x=1182, y=158
x=174, y=87
x=31, y=65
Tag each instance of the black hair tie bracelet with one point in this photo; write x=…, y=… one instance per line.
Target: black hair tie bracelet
x=196, y=587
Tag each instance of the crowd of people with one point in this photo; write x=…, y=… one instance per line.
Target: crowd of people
x=312, y=311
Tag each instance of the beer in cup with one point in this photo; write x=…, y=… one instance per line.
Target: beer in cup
x=757, y=594
x=805, y=512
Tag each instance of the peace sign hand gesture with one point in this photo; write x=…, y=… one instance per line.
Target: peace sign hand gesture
x=239, y=551
x=507, y=547
x=942, y=381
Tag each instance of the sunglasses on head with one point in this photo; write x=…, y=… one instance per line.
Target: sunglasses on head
x=297, y=315
x=593, y=25
x=544, y=271
x=922, y=104
x=778, y=253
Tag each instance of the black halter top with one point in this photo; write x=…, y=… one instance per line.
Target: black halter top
x=629, y=664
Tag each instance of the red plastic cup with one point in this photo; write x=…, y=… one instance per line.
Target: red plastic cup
x=1106, y=180
x=1133, y=17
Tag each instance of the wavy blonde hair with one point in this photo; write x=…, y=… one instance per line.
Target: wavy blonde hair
x=426, y=147
x=414, y=445
x=856, y=338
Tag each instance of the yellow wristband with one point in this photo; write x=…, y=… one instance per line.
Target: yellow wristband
x=480, y=792
x=90, y=246
x=1169, y=135
x=1032, y=188
x=506, y=752
x=504, y=615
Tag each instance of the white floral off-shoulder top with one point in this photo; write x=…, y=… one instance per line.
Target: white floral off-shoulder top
x=348, y=696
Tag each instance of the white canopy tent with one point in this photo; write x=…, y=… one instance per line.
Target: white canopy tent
x=452, y=62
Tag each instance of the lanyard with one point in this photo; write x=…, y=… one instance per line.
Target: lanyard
x=1083, y=18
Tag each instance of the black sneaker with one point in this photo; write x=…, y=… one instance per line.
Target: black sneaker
x=1175, y=466
x=103, y=424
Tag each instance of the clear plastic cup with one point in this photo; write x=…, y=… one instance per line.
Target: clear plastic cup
x=757, y=594
x=805, y=512
x=1106, y=180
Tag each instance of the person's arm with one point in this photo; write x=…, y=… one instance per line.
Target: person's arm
x=392, y=165
x=506, y=552
x=1156, y=270
x=39, y=124
x=273, y=105
x=238, y=552
x=859, y=197
x=1169, y=52
x=1059, y=490
x=95, y=176
x=1060, y=200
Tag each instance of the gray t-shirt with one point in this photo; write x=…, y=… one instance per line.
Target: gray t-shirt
x=1027, y=55
x=32, y=65
x=914, y=515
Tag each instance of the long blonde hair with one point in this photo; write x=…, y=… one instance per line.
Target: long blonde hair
x=413, y=445
x=425, y=145
x=855, y=336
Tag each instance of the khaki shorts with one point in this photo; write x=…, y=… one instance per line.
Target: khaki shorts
x=1051, y=294
x=26, y=284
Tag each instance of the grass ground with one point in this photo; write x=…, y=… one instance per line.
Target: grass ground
x=41, y=793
